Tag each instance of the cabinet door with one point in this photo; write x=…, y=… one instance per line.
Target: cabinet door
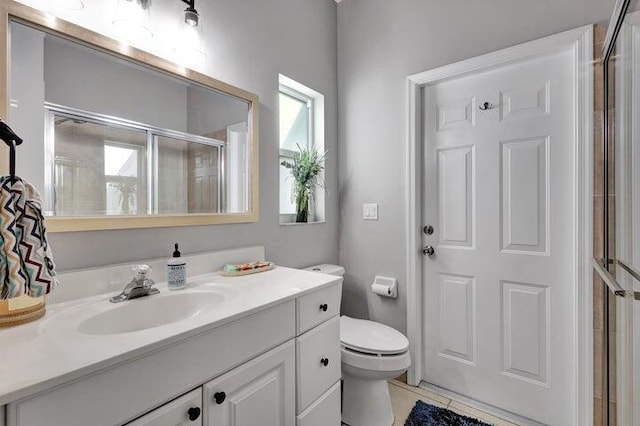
x=184, y=411
x=258, y=393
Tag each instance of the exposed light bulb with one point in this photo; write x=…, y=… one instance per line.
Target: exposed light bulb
x=191, y=17
x=131, y=20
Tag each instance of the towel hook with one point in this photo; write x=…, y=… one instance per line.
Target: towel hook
x=12, y=140
x=486, y=105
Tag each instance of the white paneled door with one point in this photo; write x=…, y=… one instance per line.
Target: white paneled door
x=498, y=169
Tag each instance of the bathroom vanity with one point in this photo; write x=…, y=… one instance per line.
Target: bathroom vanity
x=259, y=349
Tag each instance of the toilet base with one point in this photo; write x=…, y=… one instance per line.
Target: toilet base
x=366, y=402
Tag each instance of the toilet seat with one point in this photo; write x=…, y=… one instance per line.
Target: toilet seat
x=391, y=365
x=371, y=338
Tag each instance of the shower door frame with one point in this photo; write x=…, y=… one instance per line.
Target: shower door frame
x=623, y=30
x=580, y=41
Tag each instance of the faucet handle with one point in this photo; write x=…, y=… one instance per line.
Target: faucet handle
x=141, y=275
x=141, y=270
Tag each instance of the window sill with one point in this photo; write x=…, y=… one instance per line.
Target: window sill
x=301, y=223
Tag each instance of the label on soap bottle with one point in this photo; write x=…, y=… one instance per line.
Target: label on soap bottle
x=177, y=275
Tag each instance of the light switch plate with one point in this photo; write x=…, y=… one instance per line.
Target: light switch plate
x=370, y=211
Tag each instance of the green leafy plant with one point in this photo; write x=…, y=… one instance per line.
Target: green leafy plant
x=306, y=168
x=127, y=190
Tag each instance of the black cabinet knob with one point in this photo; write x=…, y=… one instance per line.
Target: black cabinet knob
x=219, y=397
x=194, y=413
x=324, y=307
x=324, y=361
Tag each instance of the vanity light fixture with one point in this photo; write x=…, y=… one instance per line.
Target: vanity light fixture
x=189, y=42
x=191, y=15
x=132, y=20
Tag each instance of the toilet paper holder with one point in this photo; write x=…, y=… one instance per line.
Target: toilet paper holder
x=385, y=286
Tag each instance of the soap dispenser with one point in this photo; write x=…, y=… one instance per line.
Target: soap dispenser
x=176, y=271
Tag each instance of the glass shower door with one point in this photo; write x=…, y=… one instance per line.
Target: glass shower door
x=620, y=267
x=617, y=263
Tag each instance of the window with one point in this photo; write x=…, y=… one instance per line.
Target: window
x=295, y=133
x=301, y=120
x=124, y=174
x=108, y=166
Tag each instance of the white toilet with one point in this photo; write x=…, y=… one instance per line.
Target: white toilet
x=372, y=353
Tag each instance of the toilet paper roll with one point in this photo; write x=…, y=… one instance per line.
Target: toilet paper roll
x=385, y=286
x=381, y=289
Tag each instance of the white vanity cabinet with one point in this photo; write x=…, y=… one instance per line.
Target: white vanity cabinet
x=279, y=366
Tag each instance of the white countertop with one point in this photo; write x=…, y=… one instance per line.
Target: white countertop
x=51, y=352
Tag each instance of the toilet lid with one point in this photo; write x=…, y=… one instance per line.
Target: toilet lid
x=371, y=337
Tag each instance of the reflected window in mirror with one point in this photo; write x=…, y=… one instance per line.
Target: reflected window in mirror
x=301, y=127
x=123, y=170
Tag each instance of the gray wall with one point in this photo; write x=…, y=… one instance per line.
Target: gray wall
x=81, y=78
x=380, y=43
x=248, y=43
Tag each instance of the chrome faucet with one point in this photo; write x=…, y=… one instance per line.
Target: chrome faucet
x=139, y=286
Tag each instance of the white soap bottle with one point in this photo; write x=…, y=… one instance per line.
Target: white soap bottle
x=176, y=271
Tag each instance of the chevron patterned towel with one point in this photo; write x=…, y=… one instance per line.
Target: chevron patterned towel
x=26, y=264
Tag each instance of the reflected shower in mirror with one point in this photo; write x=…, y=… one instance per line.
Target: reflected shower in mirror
x=109, y=137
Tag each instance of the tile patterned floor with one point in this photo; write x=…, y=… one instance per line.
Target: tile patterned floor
x=404, y=397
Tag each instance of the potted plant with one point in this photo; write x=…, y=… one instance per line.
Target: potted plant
x=305, y=169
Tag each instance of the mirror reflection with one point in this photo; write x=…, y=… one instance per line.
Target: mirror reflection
x=108, y=137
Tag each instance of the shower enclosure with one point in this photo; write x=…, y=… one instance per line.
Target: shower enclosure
x=617, y=226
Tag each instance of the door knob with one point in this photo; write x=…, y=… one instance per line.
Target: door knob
x=428, y=251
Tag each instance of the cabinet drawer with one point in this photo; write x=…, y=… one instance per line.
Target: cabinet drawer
x=317, y=362
x=186, y=410
x=258, y=393
x=325, y=411
x=317, y=307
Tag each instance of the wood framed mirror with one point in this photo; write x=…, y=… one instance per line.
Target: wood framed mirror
x=117, y=138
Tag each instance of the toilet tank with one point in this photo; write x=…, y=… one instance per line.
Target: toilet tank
x=327, y=268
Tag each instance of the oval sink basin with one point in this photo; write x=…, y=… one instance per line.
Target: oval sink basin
x=149, y=312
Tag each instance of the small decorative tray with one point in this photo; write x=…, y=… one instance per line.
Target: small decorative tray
x=245, y=269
